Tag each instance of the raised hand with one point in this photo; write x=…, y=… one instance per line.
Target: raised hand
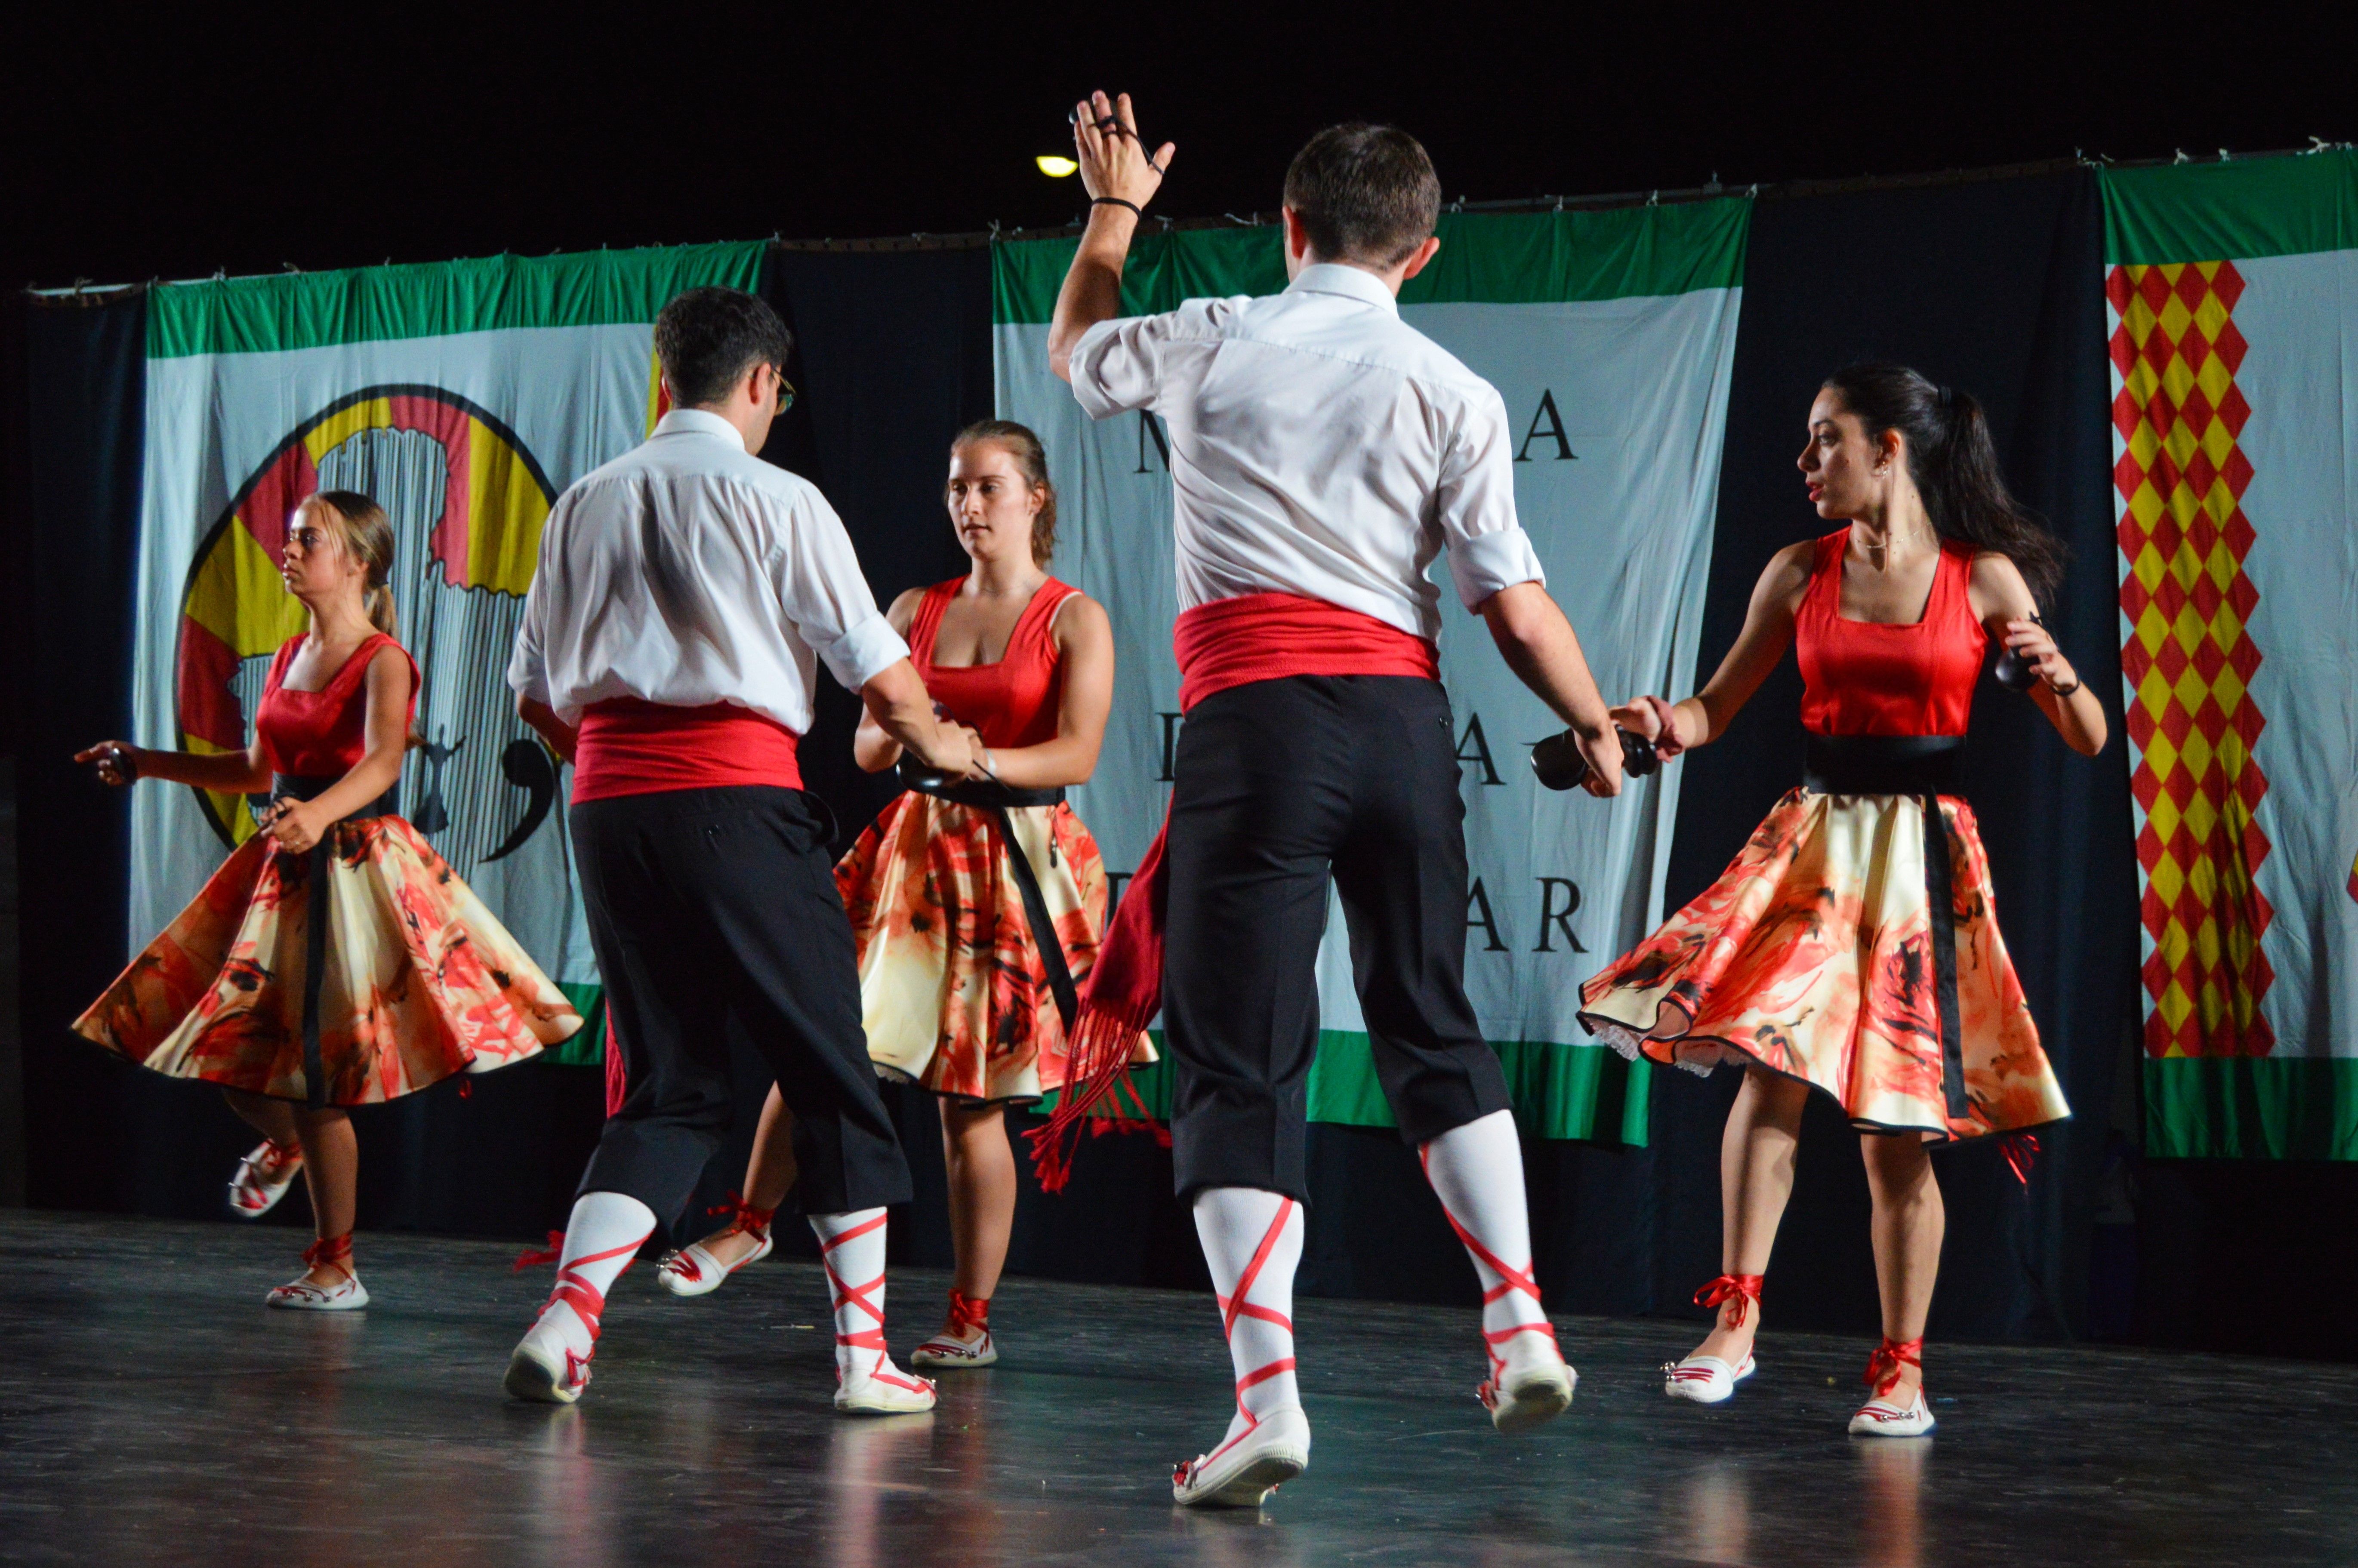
x=118, y=764
x=1113, y=160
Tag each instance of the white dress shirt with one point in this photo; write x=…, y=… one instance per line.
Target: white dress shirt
x=691, y=572
x=1319, y=446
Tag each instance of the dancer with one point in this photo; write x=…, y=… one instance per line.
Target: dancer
x=334, y=960
x=670, y=645
x=1853, y=947
x=1324, y=453
x=976, y=907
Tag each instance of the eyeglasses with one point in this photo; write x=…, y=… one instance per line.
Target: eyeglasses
x=785, y=389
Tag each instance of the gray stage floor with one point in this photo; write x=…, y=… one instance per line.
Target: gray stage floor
x=152, y=1411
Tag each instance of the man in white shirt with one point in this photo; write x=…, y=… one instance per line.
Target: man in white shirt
x=685, y=595
x=1322, y=453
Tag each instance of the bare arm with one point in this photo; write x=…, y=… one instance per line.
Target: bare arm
x=1084, y=649
x=903, y=709
x=2002, y=600
x=1540, y=645
x=299, y=824
x=1113, y=164
x=561, y=737
x=872, y=749
x=229, y=772
x=1767, y=633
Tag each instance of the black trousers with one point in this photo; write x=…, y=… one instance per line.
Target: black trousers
x=1278, y=784
x=714, y=911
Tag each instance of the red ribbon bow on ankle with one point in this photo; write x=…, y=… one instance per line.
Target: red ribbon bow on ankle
x=330, y=1249
x=968, y=1313
x=1744, y=1290
x=753, y=1222
x=532, y=1258
x=1883, y=1368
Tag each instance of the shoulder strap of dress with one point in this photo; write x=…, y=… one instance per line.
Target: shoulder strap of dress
x=1825, y=570
x=928, y=622
x=1951, y=586
x=277, y=674
x=1040, y=615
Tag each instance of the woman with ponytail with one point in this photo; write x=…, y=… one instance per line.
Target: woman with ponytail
x=334, y=960
x=1853, y=947
x=977, y=905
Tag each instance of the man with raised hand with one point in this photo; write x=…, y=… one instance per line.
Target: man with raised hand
x=1322, y=454
x=685, y=595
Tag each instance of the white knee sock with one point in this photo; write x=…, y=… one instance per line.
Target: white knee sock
x=600, y=1238
x=1476, y=1171
x=851, y=1250
x=1253, y=1239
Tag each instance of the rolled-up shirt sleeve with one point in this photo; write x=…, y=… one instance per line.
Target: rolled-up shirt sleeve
x=825, y=596
x=1118, y=365
x=1475, y=499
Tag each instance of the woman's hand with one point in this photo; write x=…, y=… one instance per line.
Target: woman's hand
x=981, y=771
x=297, y=824
x=2036, y=648
x=1655, y=719
x=118, y=764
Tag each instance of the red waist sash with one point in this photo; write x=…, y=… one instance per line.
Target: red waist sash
x=630, y=747
x=1269, y=636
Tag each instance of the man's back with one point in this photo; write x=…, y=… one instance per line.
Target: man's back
x=1320, y=446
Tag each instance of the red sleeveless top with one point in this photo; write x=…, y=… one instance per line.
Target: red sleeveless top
x=1860, y=677
x=1013, y=702
x=323, y=733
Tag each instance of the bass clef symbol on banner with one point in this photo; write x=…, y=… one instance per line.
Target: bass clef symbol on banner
x=527, y=766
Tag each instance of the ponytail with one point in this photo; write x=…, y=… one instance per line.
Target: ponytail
x=1955, y=465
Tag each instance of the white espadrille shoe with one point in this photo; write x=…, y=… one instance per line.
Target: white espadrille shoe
x=347, y=1295
x=693, y=1271
x=880, y=1389
x=1703, y=1379
x=262, y=1177
x=1244, y=1470
x=1529, y=1382
x=1886, y=1418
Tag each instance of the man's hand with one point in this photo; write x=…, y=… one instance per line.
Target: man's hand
x=1655, y=719
x=1113, y=160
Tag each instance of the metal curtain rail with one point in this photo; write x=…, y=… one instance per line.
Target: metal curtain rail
x=1782, y=190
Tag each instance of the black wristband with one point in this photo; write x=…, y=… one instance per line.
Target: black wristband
x=2066, y=690
x=1117, y=201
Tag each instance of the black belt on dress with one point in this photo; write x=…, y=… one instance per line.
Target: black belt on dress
x=299, y=786
x=997, y=799
x=1924, y=766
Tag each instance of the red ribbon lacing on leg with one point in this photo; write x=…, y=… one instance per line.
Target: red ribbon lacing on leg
x=849, y=1295
x=273, y=1152
x=967, y=1311
x=1234, y=1307
x=330, y=1249
x=587, y=1302
x=1744, y=1290
x=1510, y=1281
x=2021, y=1151
x=534, y=1256
x=1883, y=1368
x=745, y=1219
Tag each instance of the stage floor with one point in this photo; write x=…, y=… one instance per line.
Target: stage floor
x=152, y=1411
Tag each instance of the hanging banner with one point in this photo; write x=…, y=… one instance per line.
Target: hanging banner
x=1610, y=336
x=461, y=397
x=2234, y=350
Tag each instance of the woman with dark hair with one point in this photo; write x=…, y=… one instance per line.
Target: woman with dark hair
x=976, y=904
x=1853, y=947
x=334, y=960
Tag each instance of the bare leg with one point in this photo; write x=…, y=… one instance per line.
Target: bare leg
x=1909, y=1223
x=274, y=1118
x=981, y=1166
x=769, y=1177
x=1756, y=1177
x=332, y=1170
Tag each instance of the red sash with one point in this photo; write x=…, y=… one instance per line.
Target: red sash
x=629, y=746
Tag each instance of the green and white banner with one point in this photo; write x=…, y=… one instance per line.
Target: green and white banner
x=461, y=397
x=1610, y=335
x=2233, y=309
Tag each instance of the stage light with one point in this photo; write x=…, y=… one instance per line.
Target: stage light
x=1056, y=168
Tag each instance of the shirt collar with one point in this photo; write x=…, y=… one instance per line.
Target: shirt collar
x=699, y=422
x=1351, y=282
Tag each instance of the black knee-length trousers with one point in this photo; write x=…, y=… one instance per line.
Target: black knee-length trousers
x=714, y=910
x=1280, y=785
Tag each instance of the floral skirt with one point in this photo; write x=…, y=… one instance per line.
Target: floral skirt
x=952, y=988
x=420, y=980
x=1814, y=956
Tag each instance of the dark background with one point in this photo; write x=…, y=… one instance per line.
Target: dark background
x=148, y=152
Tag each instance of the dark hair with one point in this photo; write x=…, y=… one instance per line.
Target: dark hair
x=1954, y=466
x=1032, y=461
x=1364, y=193
x=708, y=337
x=365, y=532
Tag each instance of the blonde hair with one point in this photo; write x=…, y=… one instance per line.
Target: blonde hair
x=365, y=532
x=1031, y=462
